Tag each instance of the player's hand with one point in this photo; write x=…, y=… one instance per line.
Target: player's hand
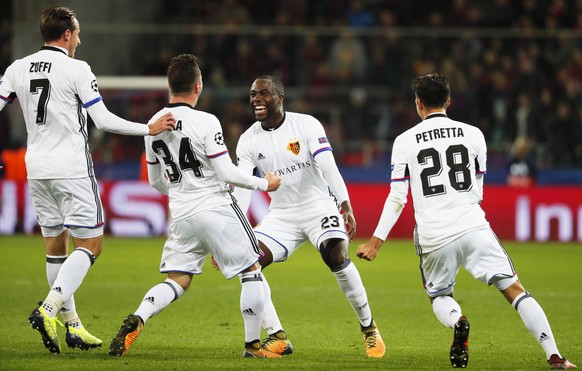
x=166, y=122
x=274, y=181
x=214, y=264
x=369, y=250
x=349, y=219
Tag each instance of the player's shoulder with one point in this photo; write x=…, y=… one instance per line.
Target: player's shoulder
x=251, y=131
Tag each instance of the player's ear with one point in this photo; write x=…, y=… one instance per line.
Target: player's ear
x=448, y=103
x=66, y=36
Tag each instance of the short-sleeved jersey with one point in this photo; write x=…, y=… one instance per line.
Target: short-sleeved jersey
x=54, y=91
x=185, y=155
x=288, y=151
x=441, y=158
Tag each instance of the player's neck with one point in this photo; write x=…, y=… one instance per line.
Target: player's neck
x=190, y=99
x=432, y=111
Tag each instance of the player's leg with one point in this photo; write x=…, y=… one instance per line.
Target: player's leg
x=182, y=256
x=335, y=254
x=439, y=269
x=77, y=336
x=535, y=320
x=490, y=263
x=154, y=301
x=55, y=208
x=232, y=243
x=277, y=242
x=252, y=302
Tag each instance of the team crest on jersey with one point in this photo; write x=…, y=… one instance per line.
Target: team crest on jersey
x=294, y=147
x=94, y=85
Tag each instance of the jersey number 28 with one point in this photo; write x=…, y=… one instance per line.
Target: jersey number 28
x=459, y=174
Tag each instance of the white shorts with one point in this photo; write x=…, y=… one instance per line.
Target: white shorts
x=68, y=203
x=224, y=232
x=283, y=231
x=478, y=251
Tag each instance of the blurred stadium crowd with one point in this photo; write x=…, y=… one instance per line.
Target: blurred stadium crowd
x=515, y=68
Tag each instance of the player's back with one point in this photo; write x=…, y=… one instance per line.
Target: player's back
x=443, y=157
x=52, y=88
x=186, y=154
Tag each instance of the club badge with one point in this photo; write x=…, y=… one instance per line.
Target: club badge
x=294, y=147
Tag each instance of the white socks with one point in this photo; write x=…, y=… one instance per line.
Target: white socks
x=252, y=304
x=351, y=284
x=68, y=310
x=158, y=298
x=271, y=322
x=69, y=278
x=447, y=310
x=535, y=320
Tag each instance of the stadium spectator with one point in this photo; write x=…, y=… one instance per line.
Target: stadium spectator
x=303, y=208
x=347, y=59
x=445, y=174
x=521, y=165
x=191, y=166
x=59, y=165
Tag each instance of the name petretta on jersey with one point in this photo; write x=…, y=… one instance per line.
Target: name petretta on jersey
x=439, y=133
x=40, y=67
x=293, y=168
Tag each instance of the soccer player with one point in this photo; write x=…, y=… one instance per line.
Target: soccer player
x=444, y=162
x=306, y=207
x=56, y=92
x=192, y=166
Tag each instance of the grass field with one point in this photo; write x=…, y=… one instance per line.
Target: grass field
x=204, y=329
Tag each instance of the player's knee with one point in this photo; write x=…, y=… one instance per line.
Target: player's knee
x=335, y=253
x=267, y=257
x=179, y=282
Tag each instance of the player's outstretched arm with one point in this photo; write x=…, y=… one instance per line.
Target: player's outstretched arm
x=369, y=250
x=105, y=120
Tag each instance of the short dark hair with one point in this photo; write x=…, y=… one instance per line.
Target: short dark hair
x=183, y=73
x=432, y=89
x=56, y=20
x=278, y=84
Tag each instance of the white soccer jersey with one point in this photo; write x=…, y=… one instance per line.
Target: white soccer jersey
x=441, y=158
x=54, y=91
x=185, y=154
x=288, y=151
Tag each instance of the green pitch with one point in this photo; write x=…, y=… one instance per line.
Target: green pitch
x=204, y=329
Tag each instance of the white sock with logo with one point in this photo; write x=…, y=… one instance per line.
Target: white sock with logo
x=69, y=278
x=68, y=310
x=350, y=283
x=158, y=298
x=252, y=304
x=535, y=320
x=447, y=310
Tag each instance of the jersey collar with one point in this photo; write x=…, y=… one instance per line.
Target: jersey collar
x=55, y=48
x=180, y=104
x=278, y=126
x=433, y=115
